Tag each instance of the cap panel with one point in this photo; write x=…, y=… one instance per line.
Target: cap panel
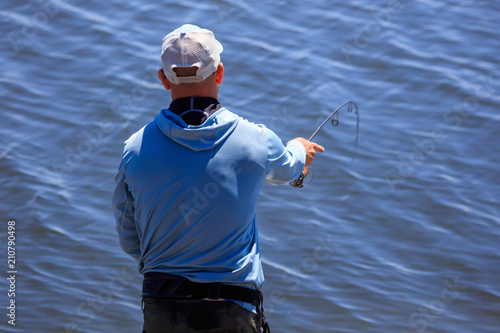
x=190, y=46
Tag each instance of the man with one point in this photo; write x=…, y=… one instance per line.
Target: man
x=186, y=194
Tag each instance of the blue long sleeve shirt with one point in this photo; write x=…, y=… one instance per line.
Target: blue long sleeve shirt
x=186, y=195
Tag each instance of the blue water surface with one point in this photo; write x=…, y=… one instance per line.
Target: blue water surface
x=403, y=239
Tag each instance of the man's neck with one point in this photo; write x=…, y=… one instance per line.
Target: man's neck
x=181, y=91
x=177, y=96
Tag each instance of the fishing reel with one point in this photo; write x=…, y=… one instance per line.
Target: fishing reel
x=299, y=182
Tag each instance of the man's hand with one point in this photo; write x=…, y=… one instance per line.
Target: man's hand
x=311, y=149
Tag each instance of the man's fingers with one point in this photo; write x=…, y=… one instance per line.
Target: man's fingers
x=318, y=148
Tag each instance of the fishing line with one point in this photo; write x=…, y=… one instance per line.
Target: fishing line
x=334, y=116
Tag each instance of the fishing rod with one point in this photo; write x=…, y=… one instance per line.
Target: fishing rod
x=351, y=106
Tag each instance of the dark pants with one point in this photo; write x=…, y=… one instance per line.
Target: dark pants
x=162, y=315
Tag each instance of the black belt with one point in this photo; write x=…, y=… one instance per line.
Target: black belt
x=173, y=286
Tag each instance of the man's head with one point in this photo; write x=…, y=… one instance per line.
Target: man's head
x=190, y=59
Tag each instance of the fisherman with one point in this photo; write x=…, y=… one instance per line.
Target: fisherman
x=186, y=195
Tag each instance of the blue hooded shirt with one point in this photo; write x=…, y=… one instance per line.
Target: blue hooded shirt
x=186, y=195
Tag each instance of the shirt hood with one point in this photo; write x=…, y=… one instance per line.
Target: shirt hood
x=201, y=137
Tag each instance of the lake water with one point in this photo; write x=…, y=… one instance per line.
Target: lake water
x=404, y=239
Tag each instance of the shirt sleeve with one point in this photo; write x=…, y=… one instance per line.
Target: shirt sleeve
x=123, y=206
x=285, y=163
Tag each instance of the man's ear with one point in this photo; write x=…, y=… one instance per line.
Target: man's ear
x=164, y=80
x=219, y=74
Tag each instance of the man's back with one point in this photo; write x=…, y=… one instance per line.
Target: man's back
x=195, y=191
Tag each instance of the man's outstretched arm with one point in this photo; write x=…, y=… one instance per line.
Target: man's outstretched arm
x=287, y=162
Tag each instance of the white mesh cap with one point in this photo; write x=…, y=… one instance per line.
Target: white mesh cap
x=188, y=46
